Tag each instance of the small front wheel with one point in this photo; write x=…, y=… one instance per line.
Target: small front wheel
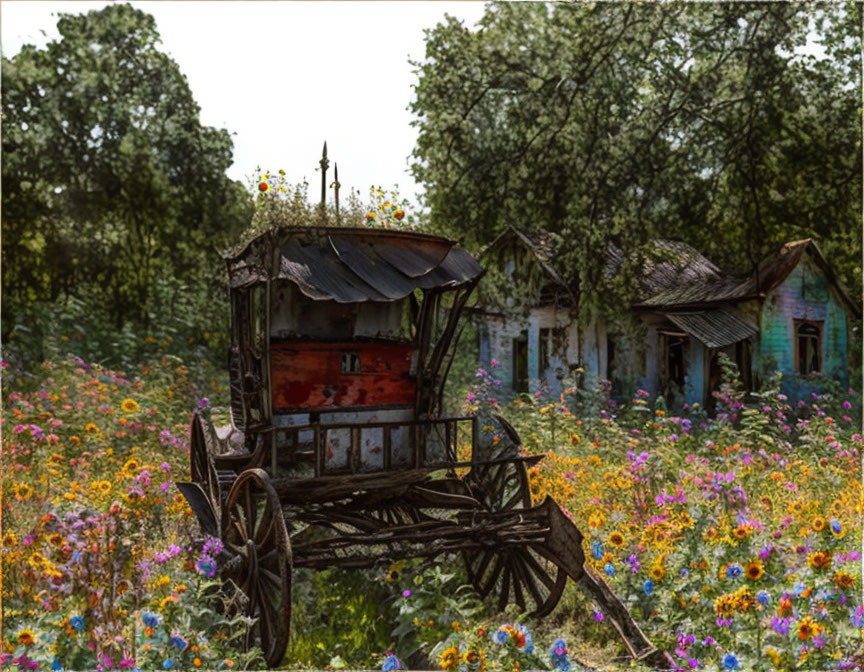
x=256, y=536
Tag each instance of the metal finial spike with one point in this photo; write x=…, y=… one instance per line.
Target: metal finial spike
x=336, y=186
x=324, y=162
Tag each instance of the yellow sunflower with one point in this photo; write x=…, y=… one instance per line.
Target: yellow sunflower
x=657, y=572
x=808, y=628
x=23, y=491
x=616, y=539
x=130, y=406
x=754, y=570
x=819, y=560
x=91, y=427
x=26, y=637
x=818, y=523
x=742, y=532
x=449, y=658
x=10, y=540
x=844, y=580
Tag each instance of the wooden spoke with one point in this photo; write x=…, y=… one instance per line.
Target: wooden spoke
x=254, y=532
x=501, y=487
x=518, y=574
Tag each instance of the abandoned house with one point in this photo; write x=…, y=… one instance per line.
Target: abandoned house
x=789, y=315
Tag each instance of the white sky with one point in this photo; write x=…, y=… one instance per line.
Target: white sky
x=285, y=76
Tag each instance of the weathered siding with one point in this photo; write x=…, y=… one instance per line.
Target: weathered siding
x=806, y=294
x=496, y=334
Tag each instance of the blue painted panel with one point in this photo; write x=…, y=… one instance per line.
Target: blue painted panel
x=694, y=382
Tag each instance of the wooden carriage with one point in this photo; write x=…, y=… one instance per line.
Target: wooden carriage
x=338, y=452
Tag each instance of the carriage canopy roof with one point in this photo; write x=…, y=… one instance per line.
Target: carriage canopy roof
x=353, y=265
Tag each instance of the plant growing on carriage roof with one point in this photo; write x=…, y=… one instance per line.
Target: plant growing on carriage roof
x=280, y=203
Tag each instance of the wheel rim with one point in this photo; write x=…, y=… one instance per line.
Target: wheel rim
x=202, y=469
x=517, y=575
x=256, y=536
x=502, y=487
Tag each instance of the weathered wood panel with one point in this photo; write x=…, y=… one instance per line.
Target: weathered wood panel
x=310, y=375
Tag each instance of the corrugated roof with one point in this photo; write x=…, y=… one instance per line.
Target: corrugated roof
x=715, y=328
x=355, y=265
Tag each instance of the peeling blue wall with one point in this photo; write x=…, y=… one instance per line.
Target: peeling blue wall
x=806, y=294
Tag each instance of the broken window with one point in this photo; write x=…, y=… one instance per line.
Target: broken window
x=350, y=362
x=544, y=350
x=808, y=337
x=520, y=363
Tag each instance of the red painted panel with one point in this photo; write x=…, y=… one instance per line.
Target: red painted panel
x=309, y=375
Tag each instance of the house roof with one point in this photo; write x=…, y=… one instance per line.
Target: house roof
x=706, y=287
x=671, y=266
x=543, y=245
x=353, y=265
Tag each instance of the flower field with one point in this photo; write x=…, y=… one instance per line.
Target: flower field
x=98, y=568
x=735, y=541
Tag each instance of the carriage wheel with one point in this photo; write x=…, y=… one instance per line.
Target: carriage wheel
x=501, y=487
x=517, y=574
x=255, y=534
x=202, y=468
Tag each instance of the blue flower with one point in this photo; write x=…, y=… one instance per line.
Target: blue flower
x=763, y=597
x=179, y=642
x=648, y=587
x=734, y=571
x=730, y=662
x=391, y=662
x=77, y=622
x=150, y=619
x=500, y=636
x=609, y=568
x=55, y=665
x=168, y=664
x=597, y=550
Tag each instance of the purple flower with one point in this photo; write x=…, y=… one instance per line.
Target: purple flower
x=406, y=593
x=780, y=625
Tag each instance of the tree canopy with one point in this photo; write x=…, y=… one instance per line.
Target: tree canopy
x=622, y=122
x=114, y=193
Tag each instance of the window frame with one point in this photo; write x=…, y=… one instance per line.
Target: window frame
x=820, y=326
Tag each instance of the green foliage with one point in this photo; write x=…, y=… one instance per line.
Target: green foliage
x=339, y=614
x=623, y=122
x=114, y=193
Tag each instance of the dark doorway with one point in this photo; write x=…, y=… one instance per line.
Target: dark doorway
x=674, y=366
x=520, y=363
x=744, y=361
